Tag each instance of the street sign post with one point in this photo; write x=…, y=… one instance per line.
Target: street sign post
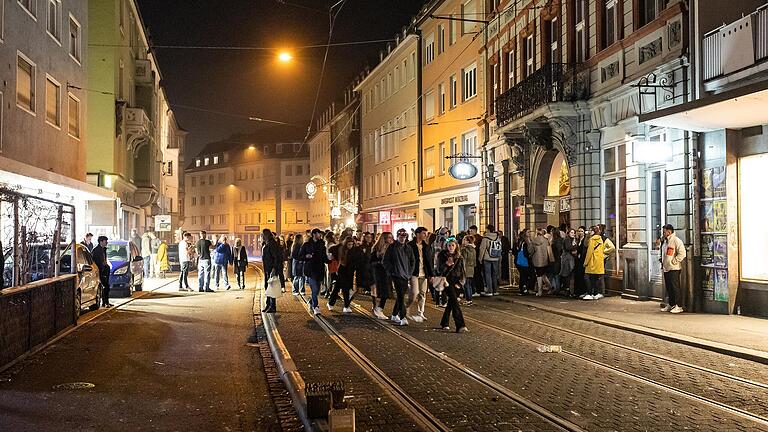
x=163, y=223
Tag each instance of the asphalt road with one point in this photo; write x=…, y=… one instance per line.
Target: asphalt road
x=167, y=362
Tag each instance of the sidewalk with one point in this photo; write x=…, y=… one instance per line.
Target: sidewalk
x=742, y=336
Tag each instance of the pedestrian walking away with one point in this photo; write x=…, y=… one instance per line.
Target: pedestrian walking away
x=450, y=266
x=240, y=262
x=315, y=257
x=673, y=255
x=490, y=255
x=222, y=261
x=399, y=263
x=203, y=251
x=185, y=260
x=272, y=262
x=100, y=259
x=297, y=262
x=421, y=276
x=382, y=281
x=349, y=263
x=539, y=251
x=469, y=258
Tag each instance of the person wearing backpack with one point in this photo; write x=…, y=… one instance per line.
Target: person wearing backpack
x=490, y=255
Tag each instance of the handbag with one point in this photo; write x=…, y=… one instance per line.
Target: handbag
x=439, y=283
x=274, y=288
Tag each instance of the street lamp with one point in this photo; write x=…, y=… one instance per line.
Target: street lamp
x=285, y=57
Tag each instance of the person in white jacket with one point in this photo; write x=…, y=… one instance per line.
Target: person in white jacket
x=672, y=256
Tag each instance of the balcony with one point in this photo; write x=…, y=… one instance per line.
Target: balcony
x=556, y=82
x=736, y=46
x=138, y=128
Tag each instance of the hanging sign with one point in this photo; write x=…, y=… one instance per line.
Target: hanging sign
x=385, y=218
x=565, y=204
x=550, y=206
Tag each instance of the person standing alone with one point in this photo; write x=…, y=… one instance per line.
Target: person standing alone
x=223, y=260
x=203, y=250
x=240, y=258
x=674, y=254
x=490, y=255
x=100, y=258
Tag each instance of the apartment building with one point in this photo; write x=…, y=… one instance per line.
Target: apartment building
x=567, y=82
x=390, y=131
x=129, y=128
x=318, y=188
x=726, y=120
x=43, y=102
x=452, y=108
x=239, y=186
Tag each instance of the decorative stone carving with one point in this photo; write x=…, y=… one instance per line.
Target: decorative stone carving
x=675, y=34
x=649, y=51
x=609, y=71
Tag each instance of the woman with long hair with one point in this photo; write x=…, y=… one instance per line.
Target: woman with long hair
x=450, y=266
x=364, y=276
x=349, y=259
x=568, y=261
x=333, y=263
x=380, y=276
x=240, y=262
x=297, y=263
x=522, y=262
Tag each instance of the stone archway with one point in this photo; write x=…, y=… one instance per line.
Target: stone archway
x=550, y=181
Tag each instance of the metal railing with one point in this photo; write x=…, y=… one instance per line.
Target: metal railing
x=712, y=44
x=556, y=82
x=712, y=66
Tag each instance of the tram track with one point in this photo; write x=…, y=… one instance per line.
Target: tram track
x=758, y=418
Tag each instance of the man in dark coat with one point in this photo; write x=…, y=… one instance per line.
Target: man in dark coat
x=100, y=259
x=315, y=257
x=399, y=263
x=272, y=260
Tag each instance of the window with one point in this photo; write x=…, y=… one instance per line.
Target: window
x=443, y=161
x=397, y=78
x=554, y=29
x=429, y=163
x=197, y=164
x=169, y=168
x=469, y=82
x=441, y=99
x=530, y=56
x=30, y=6
x=289, y=193
x=610, y=24
x=615, y=204
x=511, y=65
x=202, y=180
x=53, y=23
x=440, y=39
x=222, y=178
x=74, y=116
x=25, y=84
x=52, y=102
x=222, y=199
x=210, y=199
x=215, y=160
x=469, y=145
x=194, y=220
x=581, y=34
x=429, y=49
x=751, y=213
x=75, y=39
x=390, y=87
x=210, y=179
x=468, y=12
x=649, y=10
x=194, y=181
x=412, y=70
x=289, y=170
x=194, y=201
x=454, y=91
x=413, y=174
x=454, y=149
x=299, y=170
x=452, y=31
x=429, y=106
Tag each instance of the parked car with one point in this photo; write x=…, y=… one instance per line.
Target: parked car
x=89, y=285
x=173, y=257
x=127, y=273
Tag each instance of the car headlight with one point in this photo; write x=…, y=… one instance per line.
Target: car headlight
x=121, y=271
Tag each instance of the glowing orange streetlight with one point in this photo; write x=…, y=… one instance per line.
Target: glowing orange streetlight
x=285, y=57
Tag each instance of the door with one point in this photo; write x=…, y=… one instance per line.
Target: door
x=656, y=184
x=89, y=280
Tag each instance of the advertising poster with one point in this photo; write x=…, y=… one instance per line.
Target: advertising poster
x=718, y=182
x=707, y=217
x=721, y=285
x=706, y=184
x=707, y=249
x=720, y=214
x=708, y=279
x=720, y=250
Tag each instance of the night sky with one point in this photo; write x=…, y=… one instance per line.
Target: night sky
x=252, y=82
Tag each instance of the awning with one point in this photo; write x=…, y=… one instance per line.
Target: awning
x=734, y=109
x=33, y=180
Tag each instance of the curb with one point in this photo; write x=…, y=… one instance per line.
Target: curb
x=285, y=366
x=721, y=348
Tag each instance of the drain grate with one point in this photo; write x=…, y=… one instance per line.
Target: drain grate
x=74, y=386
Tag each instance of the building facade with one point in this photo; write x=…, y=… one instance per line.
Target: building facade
x=129, y=128
x=566, y=84
x=319, y=188
x=239, y=186
x=390, y=131
x=345, y=163
x=451, y=111
x=727, y=124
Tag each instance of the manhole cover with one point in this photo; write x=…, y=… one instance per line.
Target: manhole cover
x=74, y=386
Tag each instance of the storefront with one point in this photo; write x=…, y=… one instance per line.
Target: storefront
x=455, y=209
x=391, y=220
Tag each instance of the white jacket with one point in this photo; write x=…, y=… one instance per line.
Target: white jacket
x=673, y=253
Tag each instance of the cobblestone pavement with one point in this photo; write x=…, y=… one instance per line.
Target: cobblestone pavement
x=319, y=359
x=575, y=389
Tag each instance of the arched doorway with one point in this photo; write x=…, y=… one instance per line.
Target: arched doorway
x=559, y=190
x=550, y=189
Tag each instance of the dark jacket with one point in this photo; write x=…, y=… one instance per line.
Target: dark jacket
x=380, y=275
x=271, y=258
x=314, y=255
x=99, y=255
x=364, y=275
x=399, y=261
x=348, y=269
x=427, y=252
x=224, y=254
x=240, y=258
x=455, y=274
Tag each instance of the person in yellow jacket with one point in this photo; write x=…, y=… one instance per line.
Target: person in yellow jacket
x=162, y=257
x=594, y=264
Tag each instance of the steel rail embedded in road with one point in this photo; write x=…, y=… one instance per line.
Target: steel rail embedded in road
x=527, y=404
x=701, y=399
x=418, y=412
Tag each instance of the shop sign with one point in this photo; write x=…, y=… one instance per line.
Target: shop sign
x=385, y=218
x=550, y=206
x=252, y=228
x=565, y=204
x=462, y=170
x=401, y=215
x=473, y=210
x=456, y=199
x=163, y=223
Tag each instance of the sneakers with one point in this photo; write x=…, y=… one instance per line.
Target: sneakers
x=415, y=318
x=377, y=312
x=599, y=296
x=677, y=310
x=316, y=310
x=445, y=328
x=582, y=296
x=346, y=310
x=665, y=308
x=494, y=294
x=402, y=322
x=468, y=303
x=462, y=330
x=486, y=295
x=295, y=294
x=588, y=297
x=423, y=318
x=329, y=306
x=394, y=318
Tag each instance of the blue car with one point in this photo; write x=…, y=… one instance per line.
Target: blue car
x=127, y=268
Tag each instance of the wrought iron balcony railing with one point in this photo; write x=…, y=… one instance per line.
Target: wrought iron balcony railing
x=556, y=82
